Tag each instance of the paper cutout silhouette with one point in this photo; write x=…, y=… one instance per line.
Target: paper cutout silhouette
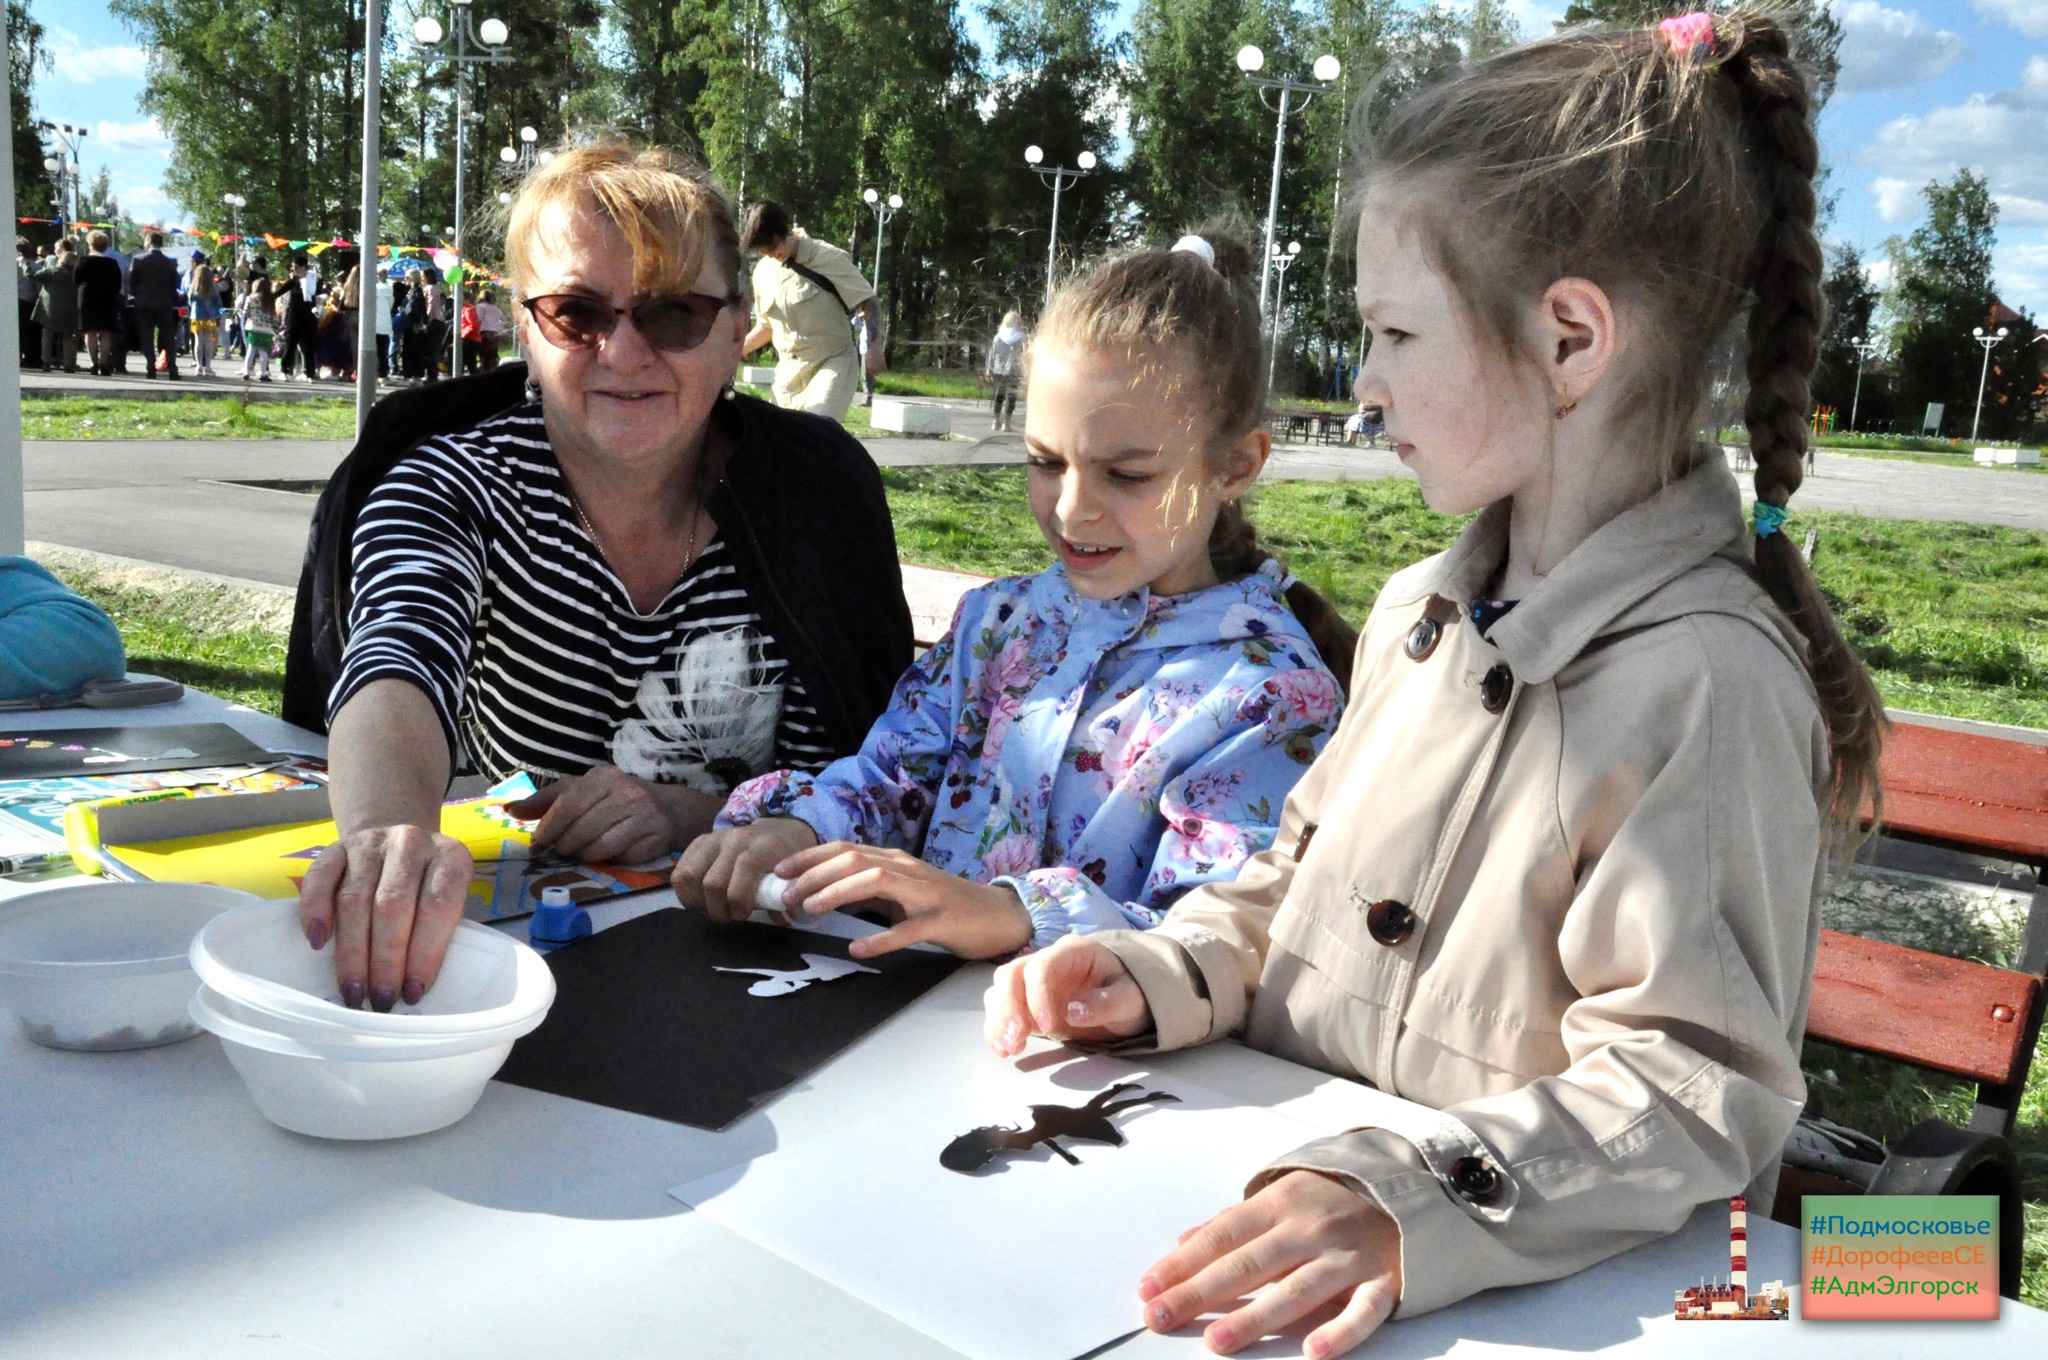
x=1089, y=1123
x=781, y=982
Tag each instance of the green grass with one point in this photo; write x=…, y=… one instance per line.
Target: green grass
x=932, y=382
x=186, y=418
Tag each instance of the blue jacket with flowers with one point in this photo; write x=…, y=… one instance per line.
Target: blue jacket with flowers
x=1100, y=757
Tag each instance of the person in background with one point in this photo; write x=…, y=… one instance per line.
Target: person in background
x=330, y=350
x=385, y=302
x=153, y=290
x=431, y=323
x=25, y=290
x=52, y=640
x=259, y=328
x=202, y=300
x=124, y=331
x=99, y=302
x=492, y=322
x=804, y=291
x=1005, y=367
x=351, y=319
x=57, y=306
x=300, y=324
x=1368, y=422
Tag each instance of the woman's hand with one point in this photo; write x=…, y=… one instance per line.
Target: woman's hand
x=1321, y=1245
x=721, y=871
x=390, y=898
x=606, y=816
x=1077, y=989
x=973, y=920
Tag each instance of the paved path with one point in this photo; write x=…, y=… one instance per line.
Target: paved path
x=133, y=385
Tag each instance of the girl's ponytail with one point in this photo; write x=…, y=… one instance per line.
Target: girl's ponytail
x=1784, y=340
x=1234, y=550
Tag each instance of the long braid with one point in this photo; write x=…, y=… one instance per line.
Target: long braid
x=1785, y=323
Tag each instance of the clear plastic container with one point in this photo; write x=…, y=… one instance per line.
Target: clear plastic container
x=106, y=966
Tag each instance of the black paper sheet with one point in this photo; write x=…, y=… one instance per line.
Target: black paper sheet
x=123, y=750
x=642, y=1023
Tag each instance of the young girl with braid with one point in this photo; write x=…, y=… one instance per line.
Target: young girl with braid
x=1551, y=888
x=1089, y=743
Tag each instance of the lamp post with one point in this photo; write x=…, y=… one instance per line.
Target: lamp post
x=885, y=208
x=1864, y=350
x=1059, y=177
x=1251, y=61
x=235, y=203
x=1279, y=261
x=71, y=140
x=470, y=45
x=1988, y=342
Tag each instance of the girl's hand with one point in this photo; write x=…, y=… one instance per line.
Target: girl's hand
x=1321, y=1246
x=1077, y=989
x=721, y=871
x=603, y=816
x=973, y=920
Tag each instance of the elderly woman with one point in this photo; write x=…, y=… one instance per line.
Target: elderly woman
x=634, y=584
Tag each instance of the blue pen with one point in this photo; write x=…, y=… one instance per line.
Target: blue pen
x=22, y=864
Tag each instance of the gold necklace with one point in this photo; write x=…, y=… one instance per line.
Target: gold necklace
x=576, y=504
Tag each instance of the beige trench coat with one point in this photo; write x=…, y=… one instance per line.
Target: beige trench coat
x=1554, y=890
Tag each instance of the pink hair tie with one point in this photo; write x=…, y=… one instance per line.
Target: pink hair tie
x=1690, y=35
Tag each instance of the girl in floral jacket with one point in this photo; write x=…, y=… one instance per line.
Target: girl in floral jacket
x=1087, y=744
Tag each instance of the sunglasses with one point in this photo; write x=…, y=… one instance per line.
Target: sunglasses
x=673, y=324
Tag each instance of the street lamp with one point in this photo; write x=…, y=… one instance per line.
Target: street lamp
x=72, y=140
x=484, y=42
x=885, y=208
x=1864, y=350
x=1988, y=342
x=1279, y=262
x=1251, y=61
x=1059, y=177
x=235, y=203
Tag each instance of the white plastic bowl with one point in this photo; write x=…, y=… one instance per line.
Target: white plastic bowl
x=105, y=967
x=258, y=958
x=313, y=1090
x=316, y=1067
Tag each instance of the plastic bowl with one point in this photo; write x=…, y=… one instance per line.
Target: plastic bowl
x=257, y=957
x=106, y=967
x=313, y=1090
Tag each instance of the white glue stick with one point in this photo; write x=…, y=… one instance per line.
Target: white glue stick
x=768, y=897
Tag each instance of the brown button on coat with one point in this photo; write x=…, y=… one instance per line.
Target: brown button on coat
x=1606, y=822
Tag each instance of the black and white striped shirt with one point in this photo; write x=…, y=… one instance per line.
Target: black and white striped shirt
x=475, y=582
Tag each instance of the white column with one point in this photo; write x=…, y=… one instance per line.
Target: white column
x=13, y=526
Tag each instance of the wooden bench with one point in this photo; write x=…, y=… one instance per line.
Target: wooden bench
x=1300, y=424
x=1985, y=795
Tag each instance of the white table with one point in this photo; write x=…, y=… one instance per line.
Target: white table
x=274, y=734
x=148, y=1210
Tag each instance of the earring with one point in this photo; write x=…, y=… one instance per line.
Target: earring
x=1566, y=409
x=728, y=393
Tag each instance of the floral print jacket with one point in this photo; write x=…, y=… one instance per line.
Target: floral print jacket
x=1099, y=757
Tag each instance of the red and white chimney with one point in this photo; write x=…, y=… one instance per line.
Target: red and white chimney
x=1738, y=1246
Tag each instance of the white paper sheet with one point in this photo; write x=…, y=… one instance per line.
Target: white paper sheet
x=1030, y=1259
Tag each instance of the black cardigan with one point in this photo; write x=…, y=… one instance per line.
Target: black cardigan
x=800, y=505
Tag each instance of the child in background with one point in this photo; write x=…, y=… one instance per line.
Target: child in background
x=1368, y=422
x=52, y=640
x=1005, y=368
x=1086, y=744
x=202, y=290
x=259, y=328
x=1560, y=907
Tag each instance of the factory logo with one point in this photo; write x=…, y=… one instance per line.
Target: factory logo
x=1733, y=1301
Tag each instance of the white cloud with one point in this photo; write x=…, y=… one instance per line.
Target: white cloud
x=1897, y=199
x=141, y=136
x=2003, y=136
x=2017, y=210
x=1878, y=270
x=1892, y=49
x=72, y=60
x=2023, y=274
x=2028, y=16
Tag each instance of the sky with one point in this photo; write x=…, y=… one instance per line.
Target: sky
x=1927, y=86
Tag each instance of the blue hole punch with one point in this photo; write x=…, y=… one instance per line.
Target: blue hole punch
x=556, y=921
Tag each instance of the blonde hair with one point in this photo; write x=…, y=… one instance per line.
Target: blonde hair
x=1199, y=323
x=672, y=214
x=1014, y=319
x=1682, y=183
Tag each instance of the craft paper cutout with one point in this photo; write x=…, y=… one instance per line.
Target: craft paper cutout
x=637, y=1026
x=1088, y=1123
x=819, y=968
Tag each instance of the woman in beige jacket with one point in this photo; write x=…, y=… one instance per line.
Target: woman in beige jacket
x=1551, y=886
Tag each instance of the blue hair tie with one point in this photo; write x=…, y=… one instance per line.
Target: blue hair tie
x=1767, y=518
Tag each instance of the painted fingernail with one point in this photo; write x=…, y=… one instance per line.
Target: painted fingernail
x=1013, y=1034
x=1319, y=1347
x=352, y=994
x=1080, y=1013
x=1044, y=1019
x=1160, y=1316
x=383, y=999
x=413, y=990
x=316, y=935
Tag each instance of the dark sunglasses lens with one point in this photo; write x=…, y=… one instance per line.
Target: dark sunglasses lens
x=677, y=323
x=572, y=321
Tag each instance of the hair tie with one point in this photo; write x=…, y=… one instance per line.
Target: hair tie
x=1691, y=35
x=1196, y=246
x=1767, y=518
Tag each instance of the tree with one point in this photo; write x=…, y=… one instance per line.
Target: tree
x=1851, y=302
x=1941, y=290
x=35, y=192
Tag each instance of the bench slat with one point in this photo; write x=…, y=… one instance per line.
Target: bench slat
x=1973, y=791
x=1919, y=1008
